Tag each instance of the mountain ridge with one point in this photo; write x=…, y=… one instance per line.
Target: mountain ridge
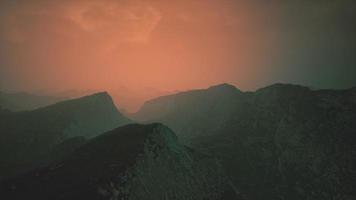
x=284, y=141
x=23, y=101
x=132, y=162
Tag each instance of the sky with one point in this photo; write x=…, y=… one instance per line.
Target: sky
x=139, y=49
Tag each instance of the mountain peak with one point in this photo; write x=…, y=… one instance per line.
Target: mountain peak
x=282, y=87
x=98, y=95
x=224, y=86
x=145, y=130
x=156, y=133
x=97, y=98
x=141, y=160
x=94, y=113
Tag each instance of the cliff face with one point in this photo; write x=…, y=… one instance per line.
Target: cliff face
x=131, y=162
x=27, y=138
x=280, y=142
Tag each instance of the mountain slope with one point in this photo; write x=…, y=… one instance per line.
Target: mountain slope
x=132, y=162
x=25, y=101
x=27, y=137
x=284, y=141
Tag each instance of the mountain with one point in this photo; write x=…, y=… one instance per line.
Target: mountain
x=193, y=113
x=61, y=151
x=280, y=142
x=133, y=162
x=24, y=101
x=27, y=138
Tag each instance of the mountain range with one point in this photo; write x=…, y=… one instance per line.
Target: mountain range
x=279, y=142
x=284, y=141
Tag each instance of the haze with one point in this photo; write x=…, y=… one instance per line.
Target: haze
x=139, y=49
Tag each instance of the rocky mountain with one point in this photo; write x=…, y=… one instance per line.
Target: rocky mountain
x=24, y=101
x=133, y=162
x=279, y=142
x=27, y=138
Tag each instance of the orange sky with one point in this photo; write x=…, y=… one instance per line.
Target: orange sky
x=140, y=48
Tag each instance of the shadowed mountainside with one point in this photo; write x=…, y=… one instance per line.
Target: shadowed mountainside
x=133, y=162
x=280, y=142
x=27, y=138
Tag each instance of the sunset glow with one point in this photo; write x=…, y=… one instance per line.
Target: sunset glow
x=138, y=44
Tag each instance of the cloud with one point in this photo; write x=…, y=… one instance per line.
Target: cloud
x=119, y=21
x=132, y=22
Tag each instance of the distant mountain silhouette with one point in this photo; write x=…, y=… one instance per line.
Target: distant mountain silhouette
x=133, y=162
x=193, y=112
x=24, y=101
x=281, y=142
x=27, y=138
